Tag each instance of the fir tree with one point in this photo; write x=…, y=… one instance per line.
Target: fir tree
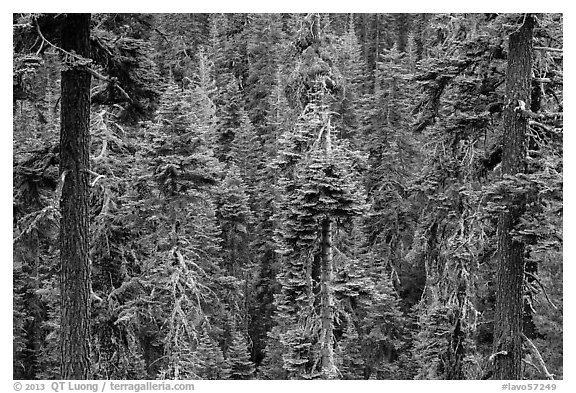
x=208, y=359
x=235, y=219
x=244, y=150
x=510, y=271
x=229, y=112
x=351, y=66
x=266, y=48
x=238, y=358
x=75, y=288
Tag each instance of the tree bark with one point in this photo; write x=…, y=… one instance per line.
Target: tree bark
x=510, y=270
x=74, y=225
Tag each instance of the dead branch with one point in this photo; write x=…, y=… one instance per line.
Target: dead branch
x=96, y=180
x=542, y=80
x=539, y=116
x=85, y=61
x=73, y=55
x=536, y=354
x=493, y=356
x=103, y=151
x=543, y=289
x=531, y=364
x=543, y=126
x=110, y=80
x=98, y=176
x=60, y=185
x=548, y=49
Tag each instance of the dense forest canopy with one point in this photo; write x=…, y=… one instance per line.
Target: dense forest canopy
x=287, y=196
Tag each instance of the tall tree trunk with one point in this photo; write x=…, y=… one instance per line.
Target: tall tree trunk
x=74, y=227
x=510, y=271
x=327, y=306
x=402, y=30
x=326, y=277
x=421, y=23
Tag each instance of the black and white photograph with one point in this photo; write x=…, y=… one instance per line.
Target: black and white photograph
x=287, y=196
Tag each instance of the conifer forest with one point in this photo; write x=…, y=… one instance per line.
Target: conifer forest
x=287, y=196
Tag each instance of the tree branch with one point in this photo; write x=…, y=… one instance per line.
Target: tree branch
x=96, y=180
x=542, y=80
x=60, y=185
x=521, y=109
x=148, y=25
x=110, y=80
x=493, y=356
x=543, y=126
x=543, y=289
x=536, y=354
x=548, y=49
x=531, y=364
x=84, y=60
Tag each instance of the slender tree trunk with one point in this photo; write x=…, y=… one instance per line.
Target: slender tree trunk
x=74, y=229
x=327, y=306
x=376, y=52
x=421, y=22
x=365, y=36
x=510, y=271
x=326, y=277
x=402, y=30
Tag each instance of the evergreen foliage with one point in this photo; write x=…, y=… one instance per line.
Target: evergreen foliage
x=208, y=359
x=291, y=196
x=238, y=357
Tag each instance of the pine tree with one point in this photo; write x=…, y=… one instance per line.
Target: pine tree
x=129, y=86
x=208, y=360
x=272, y=366
x=265, y=197
x=350, y=64
x=320, y=192
x=372, y=326
x=235, y=217
x=184, y=158
x=510, y=272
x=244, y=152
x=180, y=37
x=74, y=169
x=181, y=263
x=391, y=154
x=238, y=358
x=266, y=48
x=203, y=94
x=351, y=363
x=229, y=112
x=216, y=50
x=449, y=239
